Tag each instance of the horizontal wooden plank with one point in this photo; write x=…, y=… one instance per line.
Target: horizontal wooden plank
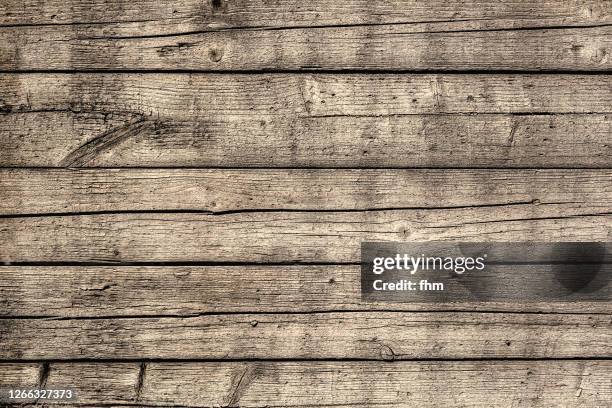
x=156, y=17
x=283, y=236
x=68, y=291
x=446, y=46
x=352, y=335
x=493, y=140
x=95, y=384
x=16, y=374
x=469, y=384
x=343, y=384
x=49, y=191
x=307, y=120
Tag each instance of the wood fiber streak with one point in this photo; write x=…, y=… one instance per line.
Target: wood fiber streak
x=505, y=141
x=192, y=149
x=218, y=46
x=93, y=383
x=131, y=291
x=152, y=17
x=358, y=335
x=342, y=384
x=313, y=120
x=283, y=236
x=55, y=191
x=221, y=35
x=14, y=374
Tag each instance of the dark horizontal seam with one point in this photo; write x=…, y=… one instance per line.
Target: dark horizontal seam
x=304, y=360
x=604, y=71
x=268, y=167
x=275, y=210
x=160, y=264
x=365, y=311
x=442, y=113
x=332, y=26
x=111, y=262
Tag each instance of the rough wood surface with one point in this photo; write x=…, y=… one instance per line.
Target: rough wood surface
x=332, y=157
x=347, y=384
x=447, y=45
x=14, y=374
x=283, y=236
x=156, y=17
x=129, y=291
x=94, y=383
x=351, y=335
x=493, y=140
x=306, y=120
x=55, y=191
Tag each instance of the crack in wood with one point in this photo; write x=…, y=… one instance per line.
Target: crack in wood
x=104, y=142
x=515, y=126
x=240, y=384
x=348, y=26
x=284, y=210
x=43, y=375
x=601, y=214
x=140, y=380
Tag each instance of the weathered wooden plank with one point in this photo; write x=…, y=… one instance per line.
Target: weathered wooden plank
x=406, y=384
x=93, y=383
x=447, y=46
x=68, y=291
x=283, y=236
x=352, y=335
x=343, y=384
x=157, y=17
x=307, y=120
x=19, y=374
x=264, y=95
x=49, y=191
x=575, y=140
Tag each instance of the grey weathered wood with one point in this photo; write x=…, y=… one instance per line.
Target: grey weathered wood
x=500, y=140
x=302, y=120
x=156, y=17
x=152, y=97
x=15, y=374
x=57, y=191
x=69, y=291
x=344, y=384
x=284, y=236
x=306, y=120
x=353, y=335
x=93, y=383
x=404, y=384
x=445, y=46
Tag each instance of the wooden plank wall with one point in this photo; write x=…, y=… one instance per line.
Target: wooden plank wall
x=184, y=187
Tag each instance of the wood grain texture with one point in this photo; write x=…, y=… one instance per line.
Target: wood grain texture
x=505, y=44
x=279, y=237
x=14, y=374
x=348, y=384
x=307, y=120
x=156, y=17
x=332, y=158
x=56, y=191
x=175, y=291
x=48, y=139
x=93, y=383
x=352, y=335
x=283, y=236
